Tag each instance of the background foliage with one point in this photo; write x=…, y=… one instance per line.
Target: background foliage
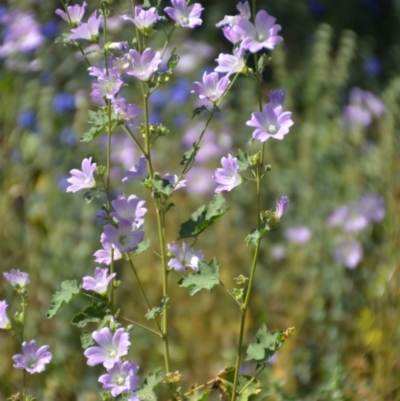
x=346, y=345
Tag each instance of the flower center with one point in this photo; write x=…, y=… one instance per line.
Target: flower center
x=112, y=353
x=120, y=380
x=122, y=239
x=272, y=129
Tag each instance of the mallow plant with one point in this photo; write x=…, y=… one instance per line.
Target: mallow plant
x=138, y=66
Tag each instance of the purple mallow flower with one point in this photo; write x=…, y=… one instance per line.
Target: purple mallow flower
x=270, y=123
x=281, y=206
x=99, y=282
x=74, y=14
x=184, y=257
x=104, y=255
x=228, y=176
x=211, y=88
x=173, y=180
x=4, y=320
x=88, y=30
x=130, y=210
x=107, y=85
x=32, y=359
x=186, y=16
x=299, y=235
x=17, y=278
x=231, y=64
x=348, y=253
x=144, y=19
x=262, y=34
x=138, y=171
x=232, y=20
x=373, y=207
x=120, y=378
x=82, y=179
x=143, y=66
x=125, y=238
x=110, y=347
x=126, y=113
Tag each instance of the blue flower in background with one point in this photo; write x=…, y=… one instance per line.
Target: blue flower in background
x=316, y=8
x=68, y=136
x=158, y=99
x=27, y=119
x=373, y=66
x=181, y=90
x=50, y=29
x=64, y=103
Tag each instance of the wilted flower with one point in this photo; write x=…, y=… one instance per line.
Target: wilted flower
x=281, y=206
x=173, y=180
x=125, y=112
x=32, y=359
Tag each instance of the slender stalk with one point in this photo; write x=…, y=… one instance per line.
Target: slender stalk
x=259, y=174
x=22, y=340
x=142, y=326
x=161, y=231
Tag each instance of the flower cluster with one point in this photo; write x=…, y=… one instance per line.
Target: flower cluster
x=352, y=219
x=33, y=359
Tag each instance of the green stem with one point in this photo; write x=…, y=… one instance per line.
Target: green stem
x=22, y=340
x=258, y=177
x=130, y=133
x=158, y=334
x=161, y=231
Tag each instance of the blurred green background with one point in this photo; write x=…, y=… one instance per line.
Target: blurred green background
x=347, y=341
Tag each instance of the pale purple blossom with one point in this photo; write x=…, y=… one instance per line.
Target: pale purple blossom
x=32, y=359
x=125, y=237
x=184, y=257
x=111, y=347
x=270, y=123
x=232, y=34
x=299, y=235
x=107, y=85
x=212, y=88
x=99, y=282
x=143, y=66
x=133, y=397
x=104, y=255
x=348, y=252
x=4, y=320
x=198, y=181
x=231, y=64
x=144, y=19
x=88, y=30
x=277, y=97
x=125, y=112
x=372, y=206
x=82, y=179
x=17, y=278
x=138, y=171
x=281, y=206
x=130, y=210
x=228, y=176
x=21, y=34
x=355, y=220
x=74, y=13
x=120, y=378
x=186, y=16
x=262, y=34
x=232, y=20
x=173, y=180
x=355, y=116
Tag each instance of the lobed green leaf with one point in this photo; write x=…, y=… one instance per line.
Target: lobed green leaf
x=69, y=290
